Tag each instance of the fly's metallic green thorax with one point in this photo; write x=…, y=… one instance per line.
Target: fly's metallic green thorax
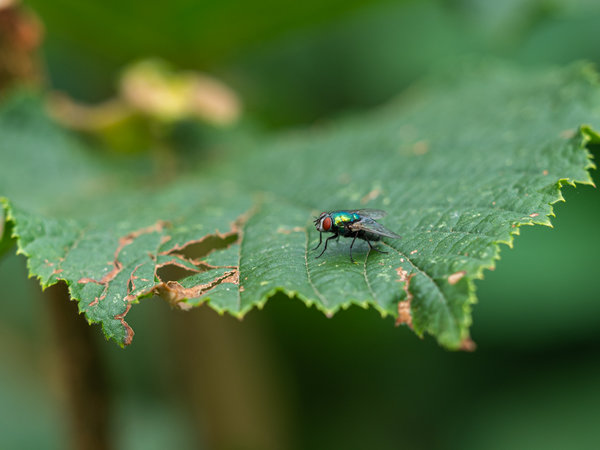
x=356, y=224
x=341, y=217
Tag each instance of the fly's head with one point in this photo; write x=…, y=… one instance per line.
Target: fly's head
x=323, y=222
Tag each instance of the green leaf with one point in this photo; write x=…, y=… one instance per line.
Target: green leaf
x=6, y=241
x=458, y=163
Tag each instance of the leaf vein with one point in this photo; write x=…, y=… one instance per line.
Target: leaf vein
x=367, y=278
x=321, y=297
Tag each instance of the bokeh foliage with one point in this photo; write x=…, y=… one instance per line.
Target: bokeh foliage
x=349, y=381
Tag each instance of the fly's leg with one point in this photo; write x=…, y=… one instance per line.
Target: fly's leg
x=320, y=240
x=327, y=240
x=355, y=236
x=374, y=248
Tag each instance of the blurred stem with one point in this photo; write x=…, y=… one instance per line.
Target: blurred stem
x=81, y=372
x=231, y=381
x=20, y=37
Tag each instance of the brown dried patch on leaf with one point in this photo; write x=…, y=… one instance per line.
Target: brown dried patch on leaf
x=421, y=147
x=371, y=196
x=174, y=293
x=85, y=280
x=290, y=230
x=567, y=134
x=128, y=330
x=456, y=277
x=233, y=277
x=404, y=311
x=131, y=284
x=533, y=215
x=402, y=274
x=404, y=315
x=467, y=345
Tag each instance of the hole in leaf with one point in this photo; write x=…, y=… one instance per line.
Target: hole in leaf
x=173, y=272
x=200, y=249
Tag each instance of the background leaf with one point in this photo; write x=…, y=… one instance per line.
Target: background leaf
x=459, y=164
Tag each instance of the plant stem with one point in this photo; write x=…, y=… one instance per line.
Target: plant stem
x=81, y=372
x=231, y=381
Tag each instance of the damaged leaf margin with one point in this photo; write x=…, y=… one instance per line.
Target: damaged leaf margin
x=121, y=279
x=585, y=136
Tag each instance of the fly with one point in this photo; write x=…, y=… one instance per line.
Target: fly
x=355, y=224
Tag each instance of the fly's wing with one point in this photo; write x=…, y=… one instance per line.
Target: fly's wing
x=372, y=213
x=369, y=225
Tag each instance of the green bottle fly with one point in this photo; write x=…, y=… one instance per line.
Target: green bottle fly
x=356, y=224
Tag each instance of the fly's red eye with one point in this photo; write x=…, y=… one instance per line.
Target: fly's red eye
x=327, y=223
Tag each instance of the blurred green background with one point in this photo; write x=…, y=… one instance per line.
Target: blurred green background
x=287, y=376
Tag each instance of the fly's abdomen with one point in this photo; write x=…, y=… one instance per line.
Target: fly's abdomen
x=370, y=236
